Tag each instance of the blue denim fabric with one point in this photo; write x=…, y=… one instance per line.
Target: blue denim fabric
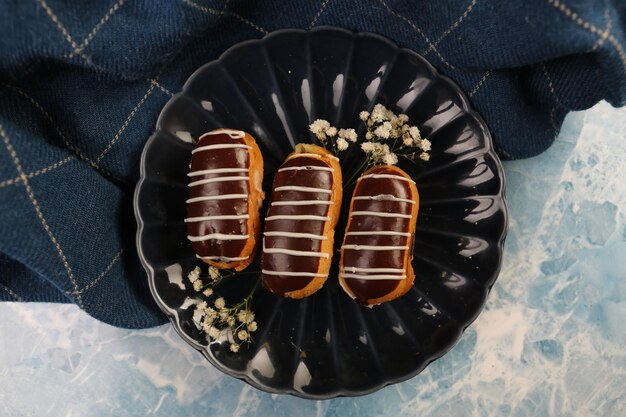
x=82, y=83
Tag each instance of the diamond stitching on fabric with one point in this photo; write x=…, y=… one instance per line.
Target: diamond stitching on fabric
x=452, y=27
x=562, y=7
x=40, y=216
x=98, y=26
x=41, y=171
x=419, y=31
x=102, y=274
x=223, y=12
x=318, y=14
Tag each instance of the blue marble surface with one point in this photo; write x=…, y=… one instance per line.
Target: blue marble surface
x=550, y=341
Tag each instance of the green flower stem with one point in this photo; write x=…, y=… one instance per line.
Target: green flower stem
x=407, y=157
x=248, y=298
x=360, y=169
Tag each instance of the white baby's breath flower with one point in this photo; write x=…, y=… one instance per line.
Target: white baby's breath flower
x=242, y=335
x=367, y=147
x=208, y=292
x=379, y=114
x=319, y=126
x=415, y=133
x=390, y=159
x=194, y=274
x=348, y=134
x=234, y=347
x=383, y=130
x=230, y=320
x=249, y=317
x=198, y=284
x=375, y=151
x=342, y=144
x=211, y=315
x=223, y=315
x=241, y=316
x=220, y=303
x=214, y=273
x=331, y=131
x=214, y=332
x=252, y=326
x=207, y=322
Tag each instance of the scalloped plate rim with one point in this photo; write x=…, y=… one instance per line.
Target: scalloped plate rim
x=173, y=317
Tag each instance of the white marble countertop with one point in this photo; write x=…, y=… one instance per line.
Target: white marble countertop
x=550, y=341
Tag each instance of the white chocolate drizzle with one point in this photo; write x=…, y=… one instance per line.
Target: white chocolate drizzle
x=293, y=274
x=380, y=214
x=374, y=247
x=296, y=217
x=373, y=277
x=355, y=269
x=301, y=203
x=374, y=274
x=234, y=134
x=221, y=176
x=218, y=217
x=378, y=233
x=303, y=189
x=383, y=197
x=296, y=235
x=222, y=179
x=221, y=146
x=217, y=171
x=217, y=236
x=296, y=252
x=386, y=176
x=314, y=238
x=306, y=168
x=217, y=197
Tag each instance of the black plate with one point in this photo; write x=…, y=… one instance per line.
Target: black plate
x=326, y=345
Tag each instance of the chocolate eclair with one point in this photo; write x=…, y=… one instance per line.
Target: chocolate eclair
x=377, y=250
x=225, y=195
x=300, y=222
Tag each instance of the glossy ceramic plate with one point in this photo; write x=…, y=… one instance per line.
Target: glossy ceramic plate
x=326, y=345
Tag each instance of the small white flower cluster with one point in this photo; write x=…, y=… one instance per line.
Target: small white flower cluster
x=379, y=152
x=338, y=139
x=388, y=136
x=198, y=284
x=194, y=278
x=384, y=125
x=237, y=319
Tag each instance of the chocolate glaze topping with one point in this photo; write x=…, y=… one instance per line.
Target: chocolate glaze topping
x=381, y=188
x=307, y=261
x=212, y=159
